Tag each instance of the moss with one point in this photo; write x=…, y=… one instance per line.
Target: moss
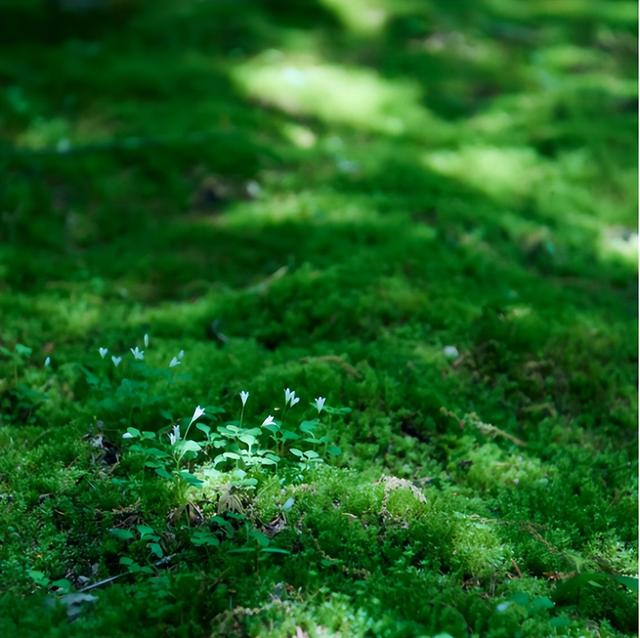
x=424, y=212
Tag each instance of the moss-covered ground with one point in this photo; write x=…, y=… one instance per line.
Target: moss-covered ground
x=424, y=211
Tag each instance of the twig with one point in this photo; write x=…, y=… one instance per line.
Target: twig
x=107, y=581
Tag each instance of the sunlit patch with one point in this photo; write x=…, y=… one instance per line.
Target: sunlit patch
x=335, y=94
x=619, y=242
x=491, y=467
x=310, y=206
x=366, y=16
x=458, y=45
x=301, y=136
x=519, y=312
x=502, y=173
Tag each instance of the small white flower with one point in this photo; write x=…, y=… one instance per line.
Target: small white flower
x=174, y=362
x=290, y=397
x=319, y=403
x=244, y=395
x=146, y=340
x=103, y=352
x=451, y=352
x=116, y=360
x=137, y=353
x=268, y=421
x=127, y=435
x=181, y=355
x=197, y=413
x=174, y=435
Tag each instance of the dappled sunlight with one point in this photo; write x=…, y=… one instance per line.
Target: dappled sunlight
x=384, y=252
x=620, y=243
x=369, y=18
x=362, y=16
x=334, y=94
x=507, y=174
x=451, y=45
x=300, y=136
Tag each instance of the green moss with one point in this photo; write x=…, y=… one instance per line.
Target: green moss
x=423, y=211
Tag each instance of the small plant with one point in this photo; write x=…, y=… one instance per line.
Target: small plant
x=242, y=453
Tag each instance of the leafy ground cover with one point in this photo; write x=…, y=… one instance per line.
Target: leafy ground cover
x=424, y=212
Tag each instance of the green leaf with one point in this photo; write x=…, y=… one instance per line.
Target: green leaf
x=64, y=585
x=145, y=530
x=229, y=431
x=274, y=550
x=23, y=350
x=203, y=427
x=296, y=452
x=122, y=534
x=39, y=578
x=272, y=427
x=156, y=549
x=248, y=439
x=154, y=451
x=204, y=537
x=521, y=598
x=542, y=602
x=191, y=479
x=188, y=446
x=309, y=426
